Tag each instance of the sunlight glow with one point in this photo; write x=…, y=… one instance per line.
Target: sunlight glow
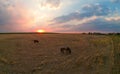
x=41, y=31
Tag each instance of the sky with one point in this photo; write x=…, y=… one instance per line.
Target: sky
x=60, y=15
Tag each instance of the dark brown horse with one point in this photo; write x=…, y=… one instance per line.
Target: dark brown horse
x=65, y=50
x=36, y=41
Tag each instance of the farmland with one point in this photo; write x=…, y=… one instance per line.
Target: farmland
x=91, y=54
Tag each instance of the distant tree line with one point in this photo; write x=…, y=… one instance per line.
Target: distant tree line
x=113, y=33
x=98, y=33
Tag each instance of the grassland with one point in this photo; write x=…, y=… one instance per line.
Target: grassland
x=91, y=54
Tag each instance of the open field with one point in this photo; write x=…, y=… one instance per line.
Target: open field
x=91, y=54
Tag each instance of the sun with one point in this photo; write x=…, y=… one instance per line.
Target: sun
x=41, y=31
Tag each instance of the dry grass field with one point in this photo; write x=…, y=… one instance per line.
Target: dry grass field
x=91, y=54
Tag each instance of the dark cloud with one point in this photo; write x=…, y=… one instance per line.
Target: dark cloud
x=95, y=24
x=95, y=9
x=66, y=18
x=87, y=11
x=12, y=18
x=100, y=25
x=6, y=3
x=5, y=16
x=51, y=3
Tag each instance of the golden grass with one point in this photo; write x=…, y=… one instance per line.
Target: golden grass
x=91, y=54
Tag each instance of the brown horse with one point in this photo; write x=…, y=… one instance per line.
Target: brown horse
x=36, y=41
x=65, y=50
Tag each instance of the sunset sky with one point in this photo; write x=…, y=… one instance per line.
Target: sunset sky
x=60, y=15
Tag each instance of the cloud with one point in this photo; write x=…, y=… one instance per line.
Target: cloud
x=95, y=9
x=117, y=18
x=51, y=3
x=92, y=17
x=3, y=17
x=93, y=24
x=100, y=24
x=4, y=14
x=6, y=3
x=14, y=18
x=88, y=10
